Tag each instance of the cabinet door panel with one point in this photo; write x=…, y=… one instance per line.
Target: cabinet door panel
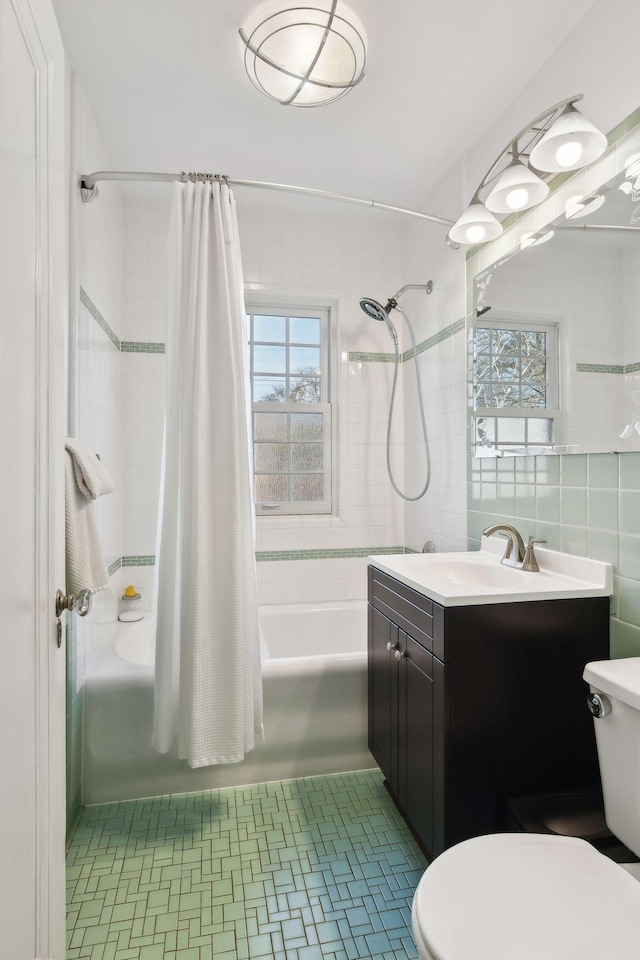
x=415, y=737
x=383, y=695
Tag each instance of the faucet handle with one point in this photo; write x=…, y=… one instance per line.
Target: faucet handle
x=530, y=564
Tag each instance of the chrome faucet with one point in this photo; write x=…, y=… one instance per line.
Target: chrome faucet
x=514, y=551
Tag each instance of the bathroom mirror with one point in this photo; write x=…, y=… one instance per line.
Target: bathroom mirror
x=556, y=331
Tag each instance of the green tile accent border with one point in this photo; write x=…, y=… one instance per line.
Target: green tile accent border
x=437, y=338
x=125, y=346
x=444, y=334
x=139, y=346
x=599, y=368
x=608, y=367
x=337, y=553
x=97, y=316
x=357, y=357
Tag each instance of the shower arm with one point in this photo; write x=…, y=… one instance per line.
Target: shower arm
x=428, y=287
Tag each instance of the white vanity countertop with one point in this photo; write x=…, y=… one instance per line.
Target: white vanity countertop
x=478, y=577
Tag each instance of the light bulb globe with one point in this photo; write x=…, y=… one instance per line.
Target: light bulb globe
x=476, y=225
x=517, y=188
x=557, y=150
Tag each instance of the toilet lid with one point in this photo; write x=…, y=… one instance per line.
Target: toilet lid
x=527, y=897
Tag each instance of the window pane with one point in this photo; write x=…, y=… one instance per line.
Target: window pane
x=511, y=430
x=306, y=456
x=506, y=369
x=303, y=360
x=270, y=426
x=534, y=371
x=484, y=396
x=269, y=388
x=483, y=368
x=307, y=488
x=274, y=489
x=304, y=329
x=534, y=396
x=270, y=359
x=486, y=428
x=534, y=342
x=304, y=389
x=306, y=426
x=505, y=396
x=540, y=431
x=271, y=329
x=504, y=341
x=269, y=457
x=483, y=339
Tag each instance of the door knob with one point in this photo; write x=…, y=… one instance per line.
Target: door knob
x=399, y=654
x=391, y=646
x=80, y=602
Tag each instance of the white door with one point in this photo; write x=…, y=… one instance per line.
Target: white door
x=33, y=295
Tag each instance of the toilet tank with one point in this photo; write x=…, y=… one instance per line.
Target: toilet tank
x=618, y=741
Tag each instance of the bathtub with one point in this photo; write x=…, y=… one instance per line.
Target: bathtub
x=315, y=708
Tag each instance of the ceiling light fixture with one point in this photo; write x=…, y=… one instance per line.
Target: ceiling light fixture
x=557, y=140
x=304, y=56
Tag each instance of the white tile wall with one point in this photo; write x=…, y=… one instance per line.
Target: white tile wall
x=95, y=412
x=440, y=515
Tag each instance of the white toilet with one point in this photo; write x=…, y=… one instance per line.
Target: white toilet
x=518, y=896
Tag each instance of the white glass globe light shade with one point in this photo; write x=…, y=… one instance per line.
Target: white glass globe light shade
x=583, y=206
x=571, y=142
x=302, y=56
x=531, y=240
x=476, y=225
x=517, y=188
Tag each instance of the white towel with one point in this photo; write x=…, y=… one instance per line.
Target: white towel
x=85, y=561
x=91, y=477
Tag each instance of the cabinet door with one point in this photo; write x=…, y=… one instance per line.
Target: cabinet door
x=415, y=737
x=383, y=695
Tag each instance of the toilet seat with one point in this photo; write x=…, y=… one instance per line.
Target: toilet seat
x=526, y=897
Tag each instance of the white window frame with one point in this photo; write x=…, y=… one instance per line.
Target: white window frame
x=286, y=306
x=548, y=325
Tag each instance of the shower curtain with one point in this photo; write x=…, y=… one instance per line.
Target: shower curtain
x=208, y=692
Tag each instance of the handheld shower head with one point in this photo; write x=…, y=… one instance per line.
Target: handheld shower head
x=376, y=311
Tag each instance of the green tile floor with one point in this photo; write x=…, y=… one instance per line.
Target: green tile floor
x=322, y=867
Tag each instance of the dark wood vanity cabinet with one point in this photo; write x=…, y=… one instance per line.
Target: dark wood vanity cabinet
x=471, y=705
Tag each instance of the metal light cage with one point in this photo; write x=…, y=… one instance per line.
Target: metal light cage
x=305, y=56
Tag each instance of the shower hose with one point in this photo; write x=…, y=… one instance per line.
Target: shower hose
x=421, y=406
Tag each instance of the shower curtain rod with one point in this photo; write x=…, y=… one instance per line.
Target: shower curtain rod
x=89, y=190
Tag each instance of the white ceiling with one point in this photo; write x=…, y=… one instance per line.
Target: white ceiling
x=167, y=85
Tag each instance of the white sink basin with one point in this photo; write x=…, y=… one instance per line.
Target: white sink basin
x=464, y=579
